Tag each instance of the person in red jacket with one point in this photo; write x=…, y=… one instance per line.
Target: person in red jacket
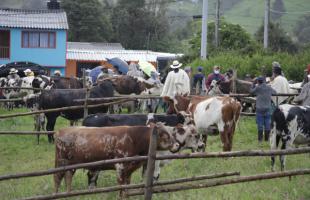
x=216, y=75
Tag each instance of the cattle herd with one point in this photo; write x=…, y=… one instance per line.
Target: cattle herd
x=104, y=135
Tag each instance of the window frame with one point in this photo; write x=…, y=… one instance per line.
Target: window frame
x=38, y=47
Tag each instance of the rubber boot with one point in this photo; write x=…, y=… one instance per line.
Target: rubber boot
x=267, y=133
x=260, y=136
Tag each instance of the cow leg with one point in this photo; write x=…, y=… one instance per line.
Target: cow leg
x=156, y=170
x=283, y=157
x=224, y=138
x=57, y=180
x=92, y=178
x=274, y=145
x=51, y=120
x=68, y=179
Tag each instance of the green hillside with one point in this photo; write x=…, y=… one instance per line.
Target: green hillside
x=250, y=14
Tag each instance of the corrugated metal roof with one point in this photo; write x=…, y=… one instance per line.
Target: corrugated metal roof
x=38, y=19
x=126, y=55
x=94, y=46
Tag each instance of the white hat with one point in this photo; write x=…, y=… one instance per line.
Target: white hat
x=27, y=71
x=175, y=64
x=13, y=71
x=57, y=72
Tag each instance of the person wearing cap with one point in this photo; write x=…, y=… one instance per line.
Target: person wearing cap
x=103, y=74
x=304, y=97
x=177, y=82
x=216, y=75
x=198, y=81
x=13, y=74
x=263, y=94
x=28, y=72
x=57, y=73
x=279, y=84
x=134, y=71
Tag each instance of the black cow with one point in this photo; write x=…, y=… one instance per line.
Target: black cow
x=102, y=119
x=291, y=125
x=62, y=98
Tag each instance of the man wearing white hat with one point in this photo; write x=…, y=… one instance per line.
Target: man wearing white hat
x=13, y=74
x=177, y=82
x=28, y=72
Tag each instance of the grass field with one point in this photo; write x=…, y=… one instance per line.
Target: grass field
x=22, y=154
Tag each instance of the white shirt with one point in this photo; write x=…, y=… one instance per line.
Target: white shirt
x=176, y=84
x=280, y=85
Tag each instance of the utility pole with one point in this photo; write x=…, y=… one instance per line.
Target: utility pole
x=266, y=23
x=217, y=22
x=204, y=30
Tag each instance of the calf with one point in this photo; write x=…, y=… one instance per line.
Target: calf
x=291, y=125
x=89, y=144
x=206, y=111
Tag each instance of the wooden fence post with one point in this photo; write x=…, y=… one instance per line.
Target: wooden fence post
x=148, y=190
x=234, y=81
x=86, y=94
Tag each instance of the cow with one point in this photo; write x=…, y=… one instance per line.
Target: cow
x=190, y=140
x=76, y=145
x=55, y=98
x=291, y=126
x=205, y=111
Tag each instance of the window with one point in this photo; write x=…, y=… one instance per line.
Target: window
x=4, y=44
x=38, y=39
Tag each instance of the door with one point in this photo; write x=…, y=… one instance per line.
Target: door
x=85, y=65
x=4, y=44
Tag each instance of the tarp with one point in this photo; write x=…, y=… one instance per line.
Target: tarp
x=94, y=73
x=146, y=67
x=119, y=64
x=21, y=66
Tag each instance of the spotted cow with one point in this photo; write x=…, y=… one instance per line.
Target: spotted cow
x=76, y=145
x=291, y=126
x=206, y=111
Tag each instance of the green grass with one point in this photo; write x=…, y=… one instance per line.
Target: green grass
x=22, y=154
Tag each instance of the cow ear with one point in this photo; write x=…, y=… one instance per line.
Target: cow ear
x=163, y=135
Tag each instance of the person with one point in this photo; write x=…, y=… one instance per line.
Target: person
x=13, y=74
x=134, y=71
x=198, y=79
x=307, y=73
x=177, y=82
x=28, y=72
x=263, y=94
x=216, y=75
x=104, y=73
x=57, y=73
x=304, y=96
x=280, y=85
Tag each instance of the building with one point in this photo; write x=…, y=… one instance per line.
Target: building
x=89, y=55
x=38, y=36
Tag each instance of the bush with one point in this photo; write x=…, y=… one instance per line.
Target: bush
x=292, y=65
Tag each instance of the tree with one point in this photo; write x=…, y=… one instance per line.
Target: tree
x=232, y=37
x=140, y=25
x=87, y=21
x=278, y=39
x=302, y=30
x=278, y=7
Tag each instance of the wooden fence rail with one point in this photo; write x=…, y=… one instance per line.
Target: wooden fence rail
x=272, y=175
x=26, y=132
x=60, y=109
x=160, y=157
x=132, y=186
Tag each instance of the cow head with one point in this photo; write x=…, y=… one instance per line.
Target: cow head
x=181, y=103
x=165, y=140
x=188, y=138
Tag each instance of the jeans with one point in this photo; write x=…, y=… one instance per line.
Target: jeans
x=263, y=120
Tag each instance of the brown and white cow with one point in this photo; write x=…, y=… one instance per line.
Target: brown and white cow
x=206, y=111
x=88, y=144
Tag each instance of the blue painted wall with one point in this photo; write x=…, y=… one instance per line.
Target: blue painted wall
x=48, y=57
